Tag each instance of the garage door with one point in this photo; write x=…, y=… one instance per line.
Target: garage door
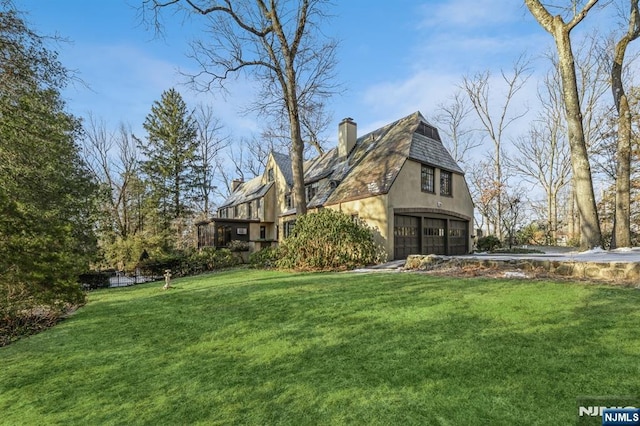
x=406, y=237
x=458, y=240
x=434, y=236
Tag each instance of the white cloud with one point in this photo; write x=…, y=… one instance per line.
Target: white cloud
x=470, y=14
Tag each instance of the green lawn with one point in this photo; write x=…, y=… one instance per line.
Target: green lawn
x=255, y=347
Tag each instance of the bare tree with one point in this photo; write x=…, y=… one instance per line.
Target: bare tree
x=452, y=117
x=622, y=226
x=494, y=124
x=280, y=45
x=484, y=194
x=210, y=144
x=544, y=153
x=590, y=235
x=113, y=159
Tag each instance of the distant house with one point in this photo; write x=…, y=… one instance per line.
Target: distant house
x=399, y=179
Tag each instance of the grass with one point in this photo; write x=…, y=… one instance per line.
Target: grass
x=256, y=347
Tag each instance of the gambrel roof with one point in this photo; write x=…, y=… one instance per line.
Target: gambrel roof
x=370, y=168
x=377, y=158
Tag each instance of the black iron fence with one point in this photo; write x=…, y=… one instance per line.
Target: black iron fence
x=112, y=278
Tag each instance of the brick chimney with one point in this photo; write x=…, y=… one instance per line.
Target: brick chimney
x=347, y=135
x=236, y=183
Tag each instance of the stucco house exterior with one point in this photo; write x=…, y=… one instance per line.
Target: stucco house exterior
x=399, y=179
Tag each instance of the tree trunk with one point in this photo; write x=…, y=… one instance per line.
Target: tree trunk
x=622, y=229
x=590, y=235
x=297, y=144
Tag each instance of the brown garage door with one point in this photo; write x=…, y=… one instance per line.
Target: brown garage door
x=434, y=236
x=406, y=237
x=458, y=237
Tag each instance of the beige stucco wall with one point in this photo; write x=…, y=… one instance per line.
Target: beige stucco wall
x=373, y=210
x=277, y=202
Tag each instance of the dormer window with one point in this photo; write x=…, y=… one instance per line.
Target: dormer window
x=288, y=201
x=270, y=175
x=428, y=131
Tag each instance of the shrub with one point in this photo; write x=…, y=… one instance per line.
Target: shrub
x=188, y=262
x=265, y=258
x=210, y=259
x=237, y=245
x=155, y=266
x=27, y=309
x=488, y=243
x=329, y=240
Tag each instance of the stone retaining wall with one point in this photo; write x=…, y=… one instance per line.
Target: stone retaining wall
x=624, y=272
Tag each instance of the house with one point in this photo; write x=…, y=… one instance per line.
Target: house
x=399, y=179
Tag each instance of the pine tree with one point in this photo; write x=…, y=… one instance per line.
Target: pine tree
x=169, y=152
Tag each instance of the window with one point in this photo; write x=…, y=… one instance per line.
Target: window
x=288, y=200
x=263, y=232
x=311, y=191
x=235, y=211
x=288, y=227
x=249, y=209
x=428, y=131
x=270, y=175
x=428, y=174
x=258, y=207
x=445, y=183
x=223, y=236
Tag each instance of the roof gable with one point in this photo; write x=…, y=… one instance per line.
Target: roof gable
x=247, y=191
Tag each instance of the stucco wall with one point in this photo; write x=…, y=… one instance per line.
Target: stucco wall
x=373, y=210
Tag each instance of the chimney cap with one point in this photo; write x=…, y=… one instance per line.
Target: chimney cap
x=347, y=120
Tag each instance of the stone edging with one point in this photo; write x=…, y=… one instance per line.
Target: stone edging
x=619, y=272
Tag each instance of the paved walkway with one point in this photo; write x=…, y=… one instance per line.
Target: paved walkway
x=567, y=254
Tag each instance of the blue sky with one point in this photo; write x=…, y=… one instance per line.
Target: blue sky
x=395, y=57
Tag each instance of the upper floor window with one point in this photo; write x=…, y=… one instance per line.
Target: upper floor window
x=445, y=182
x=258, y=207
x=428, y=174
x=288, y=201
x=311, y=191
x=235, y=211
x=249, y=209
x=428, y=131
x=270, y=175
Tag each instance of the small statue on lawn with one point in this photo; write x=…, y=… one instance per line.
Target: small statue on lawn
x=167, y=279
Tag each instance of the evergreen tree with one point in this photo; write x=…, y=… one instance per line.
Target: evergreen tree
x=169, y=152
x=46, y=192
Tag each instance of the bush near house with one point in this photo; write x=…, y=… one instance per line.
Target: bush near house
x=265, y=258
x=488, y=243
x=329, y=240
